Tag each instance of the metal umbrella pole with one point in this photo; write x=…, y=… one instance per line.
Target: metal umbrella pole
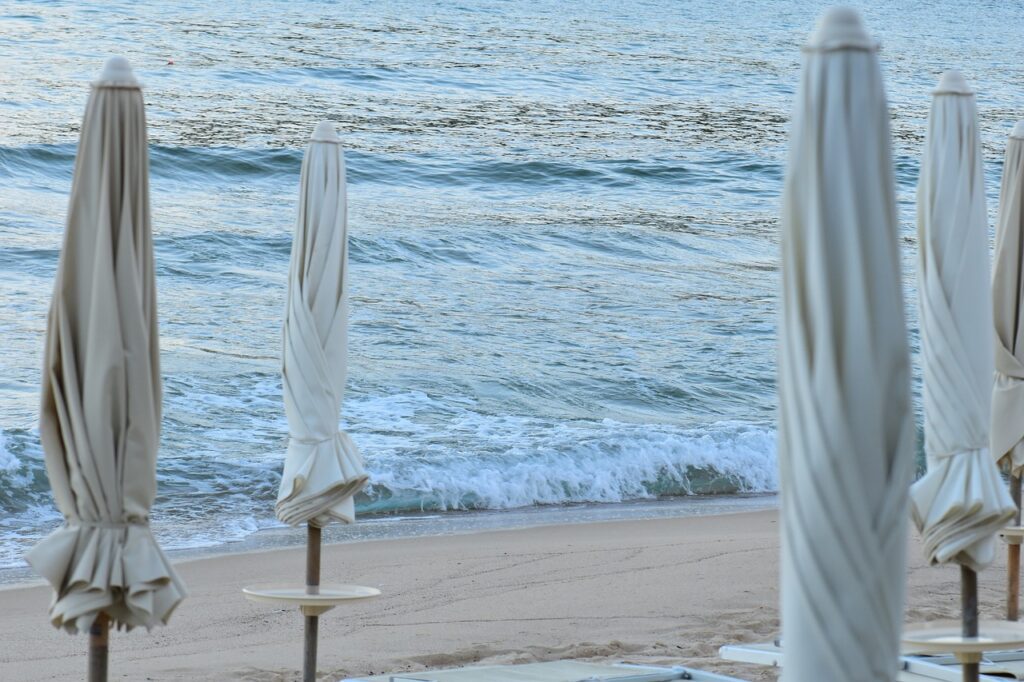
x=312, y=630
x=1013, y=560
x=99, y=648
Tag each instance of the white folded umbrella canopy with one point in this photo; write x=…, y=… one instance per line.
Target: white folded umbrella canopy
x=960, y=504
x=1008, y=310
x=1008, y=313
x=101, y=390
x=323, y=469
x=845, y=428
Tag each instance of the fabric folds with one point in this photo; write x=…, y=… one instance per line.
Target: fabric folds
x=323, y=469
x=961, y=502
x=845, y=425
x=101, y=390
x=958, y=506
x=1007, y=302
x=119, y=570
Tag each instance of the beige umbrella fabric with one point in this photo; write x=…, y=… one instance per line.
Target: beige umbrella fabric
x=323, y=469
x=101, y=390
x=960, y=504
x=845, y=427
x=1008, y=310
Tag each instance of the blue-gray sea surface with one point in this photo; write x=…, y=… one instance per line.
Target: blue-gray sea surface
x=563, y=221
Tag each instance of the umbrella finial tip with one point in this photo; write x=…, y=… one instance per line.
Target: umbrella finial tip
x=953, y=81
x=839, y=27
x=117, y=71
x=1018, y=130
x=324, y=132
x=839, y=15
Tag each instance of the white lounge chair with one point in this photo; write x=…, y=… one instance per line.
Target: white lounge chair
x=995, y=666
x=554, y=671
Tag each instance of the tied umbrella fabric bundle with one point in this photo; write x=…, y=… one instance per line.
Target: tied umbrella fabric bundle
x=960, y=504
x=101, y=389
x=845, y=425
x=323, y=468
x=1008, y=306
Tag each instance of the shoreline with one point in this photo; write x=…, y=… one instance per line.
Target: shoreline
x=660, y=591
x=437, y=523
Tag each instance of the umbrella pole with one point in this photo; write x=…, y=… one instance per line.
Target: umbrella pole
x=969, y=602
x=1013, y=560
x=99, y=646
x=312, y=587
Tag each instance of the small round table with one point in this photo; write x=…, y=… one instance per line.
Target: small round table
x=944, y=637
x=1012, y=535
x=322, y=601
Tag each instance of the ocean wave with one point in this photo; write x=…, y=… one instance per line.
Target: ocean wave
x=471, y=461
x=534, y=462
x=42, y=164
x=55, y=161
x=231, y=164
x=8, y=461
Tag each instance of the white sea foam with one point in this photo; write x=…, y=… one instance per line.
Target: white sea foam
x=475, y=460
x=8, y=461
x=212, y=532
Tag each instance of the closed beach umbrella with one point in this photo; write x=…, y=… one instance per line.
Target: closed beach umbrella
x=1008, y=309
x=101, y=390
x=1008, y=313
x=323, y=469
x=961, y=502
x=845, y=429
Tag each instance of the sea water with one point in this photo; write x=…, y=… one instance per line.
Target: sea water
x=563, y=225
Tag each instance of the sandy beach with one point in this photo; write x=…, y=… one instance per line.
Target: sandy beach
x=657, y=591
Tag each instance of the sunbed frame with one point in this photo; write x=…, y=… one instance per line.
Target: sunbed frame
x=914, y=668
x=555, y=671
